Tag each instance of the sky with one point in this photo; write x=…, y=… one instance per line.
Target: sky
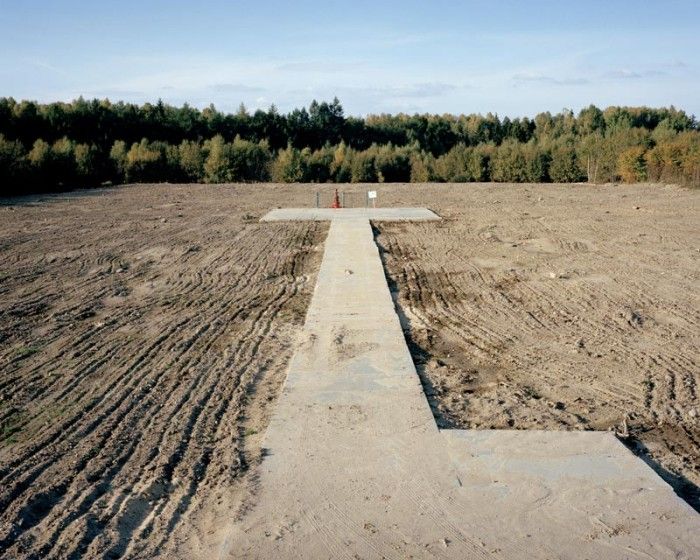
x=514, y=58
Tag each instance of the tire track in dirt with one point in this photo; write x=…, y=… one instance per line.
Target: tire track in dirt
x=125, y=421
x=145, y=331
x=535, y=307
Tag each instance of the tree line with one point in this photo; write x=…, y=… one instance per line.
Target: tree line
x=45, y=147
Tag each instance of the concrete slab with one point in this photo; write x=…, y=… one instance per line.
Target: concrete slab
x=355, y=466
x=327, y=214
x=572, y=495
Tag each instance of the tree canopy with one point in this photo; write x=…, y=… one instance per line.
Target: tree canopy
x=89, y=142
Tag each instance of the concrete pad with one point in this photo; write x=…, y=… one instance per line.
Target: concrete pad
x=572, y=495
x=355, y=466
x=327, y=214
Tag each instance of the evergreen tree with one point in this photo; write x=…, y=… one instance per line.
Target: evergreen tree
x=88, y=142
x=564, y=167
x=13, y=164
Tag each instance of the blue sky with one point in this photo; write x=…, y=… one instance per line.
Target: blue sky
x=511, y=57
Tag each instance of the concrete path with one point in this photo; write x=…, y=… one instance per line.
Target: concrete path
x=326, y=214
x=355, y=466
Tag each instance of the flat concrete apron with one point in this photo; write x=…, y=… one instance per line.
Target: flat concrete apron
x=357, y=468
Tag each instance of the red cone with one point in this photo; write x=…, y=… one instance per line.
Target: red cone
x=336, y=200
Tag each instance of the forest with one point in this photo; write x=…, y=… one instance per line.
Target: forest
x=88, y=143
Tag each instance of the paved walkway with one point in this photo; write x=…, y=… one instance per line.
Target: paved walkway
x=326, y=214
x=356, y=467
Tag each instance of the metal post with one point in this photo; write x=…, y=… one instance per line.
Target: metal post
x=342, y=199
x=318, y=201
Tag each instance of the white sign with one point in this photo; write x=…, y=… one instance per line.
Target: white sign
x=371, y=194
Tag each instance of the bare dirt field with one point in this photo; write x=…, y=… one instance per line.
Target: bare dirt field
x=562, y=308
x=145, y=333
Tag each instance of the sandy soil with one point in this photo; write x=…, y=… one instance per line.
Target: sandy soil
x=564, y=308
x=145, y=332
